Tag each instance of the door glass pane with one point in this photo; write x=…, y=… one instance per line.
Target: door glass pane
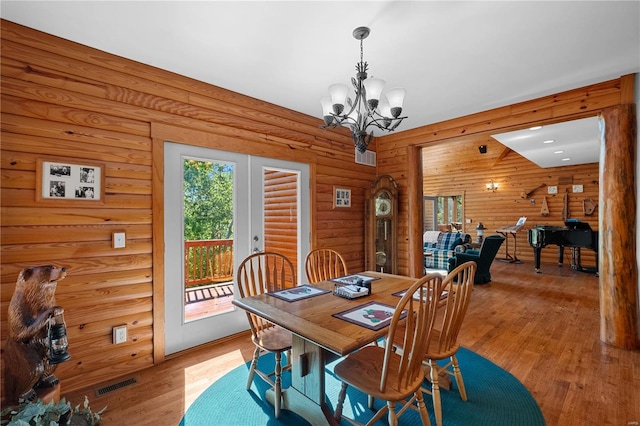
x=208, y=213
x=281, y=214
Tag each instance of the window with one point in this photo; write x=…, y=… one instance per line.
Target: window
x=443, y=213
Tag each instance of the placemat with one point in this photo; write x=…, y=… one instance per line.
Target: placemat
x=372, y=315
x=298, y=293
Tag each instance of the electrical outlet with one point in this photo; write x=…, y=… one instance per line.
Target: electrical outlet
x=119, y=239
x=120, y=334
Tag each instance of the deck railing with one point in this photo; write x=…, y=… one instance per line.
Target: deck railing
x=208, y=262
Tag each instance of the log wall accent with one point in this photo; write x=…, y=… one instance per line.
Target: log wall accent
x=619, y=273
x=458, y=139
x=62, y=99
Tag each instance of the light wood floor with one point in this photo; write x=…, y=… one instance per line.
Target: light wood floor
x=543, y=328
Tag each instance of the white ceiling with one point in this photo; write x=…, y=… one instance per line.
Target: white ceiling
x=563, y=144
x=454, y=58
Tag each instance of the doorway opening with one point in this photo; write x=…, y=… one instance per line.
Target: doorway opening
x=220, y=207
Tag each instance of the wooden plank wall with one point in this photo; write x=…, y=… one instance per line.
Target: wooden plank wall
x=461, y=137
x=66, y=100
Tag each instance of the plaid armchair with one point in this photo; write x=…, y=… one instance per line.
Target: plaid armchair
x=437, y=254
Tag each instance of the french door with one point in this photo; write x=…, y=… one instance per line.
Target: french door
x=262, y=204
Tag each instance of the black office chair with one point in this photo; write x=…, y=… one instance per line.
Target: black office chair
x=483, y=258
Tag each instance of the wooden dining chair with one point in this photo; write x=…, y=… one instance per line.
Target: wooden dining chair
x=257, y=274
x=444, y=343
x=396, y=377
x=324, y=264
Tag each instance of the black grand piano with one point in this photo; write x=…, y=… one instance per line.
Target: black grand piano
x=575, y=234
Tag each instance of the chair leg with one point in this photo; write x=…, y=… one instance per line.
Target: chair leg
x=435, y=392
x=278, y=384
x=458, y=375
x=393, y=418
x=371, y=400
x=252, y=368
x=341, y=396
x=422, y=409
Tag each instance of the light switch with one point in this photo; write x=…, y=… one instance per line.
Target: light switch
x=119, y=240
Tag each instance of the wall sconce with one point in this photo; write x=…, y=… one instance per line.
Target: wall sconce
x=480, y=230
x=492, y=186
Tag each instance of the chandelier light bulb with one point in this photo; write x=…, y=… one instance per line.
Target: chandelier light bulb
x=385, y=112
x=327, y=110
x=395, y=97
x=373, y=89
x=338, y=93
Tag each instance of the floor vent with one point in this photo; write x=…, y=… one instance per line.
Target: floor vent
x=114, y=387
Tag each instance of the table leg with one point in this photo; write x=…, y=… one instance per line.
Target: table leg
x=306, y=395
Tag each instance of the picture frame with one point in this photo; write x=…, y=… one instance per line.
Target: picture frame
x=67, y=181
x=341, y=197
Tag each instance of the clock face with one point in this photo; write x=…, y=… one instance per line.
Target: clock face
x=383, y=207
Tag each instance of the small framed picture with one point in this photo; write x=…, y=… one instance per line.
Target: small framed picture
x=341, y=197
x=59, y=180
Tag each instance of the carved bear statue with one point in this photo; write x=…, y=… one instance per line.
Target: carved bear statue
x=26, y=357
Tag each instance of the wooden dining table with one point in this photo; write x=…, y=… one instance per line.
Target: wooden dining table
x=319, y=337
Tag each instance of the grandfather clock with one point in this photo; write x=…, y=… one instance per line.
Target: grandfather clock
x=381, y=234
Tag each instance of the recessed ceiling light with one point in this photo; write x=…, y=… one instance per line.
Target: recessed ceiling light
x=549, y=141
x=558, y=152
x=535, y=128
x=566, y=159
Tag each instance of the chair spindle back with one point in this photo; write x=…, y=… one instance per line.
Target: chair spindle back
x=459, y=284
x=262, y=273
x=324, y=264
x=421, y=303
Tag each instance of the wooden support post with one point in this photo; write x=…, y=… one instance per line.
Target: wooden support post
x=617, y=233
x=414, y=194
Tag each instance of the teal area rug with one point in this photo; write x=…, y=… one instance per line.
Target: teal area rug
x=495, y=398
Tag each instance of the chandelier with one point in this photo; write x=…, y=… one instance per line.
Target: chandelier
x=367, y=109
